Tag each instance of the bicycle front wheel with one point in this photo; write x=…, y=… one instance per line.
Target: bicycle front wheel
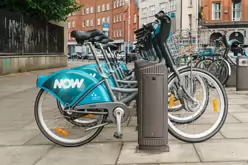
x=210, y=120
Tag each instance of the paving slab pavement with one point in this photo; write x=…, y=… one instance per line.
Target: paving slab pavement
x=21, y=143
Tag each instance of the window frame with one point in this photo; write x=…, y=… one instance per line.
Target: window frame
x=220, y=11
x=240, y=10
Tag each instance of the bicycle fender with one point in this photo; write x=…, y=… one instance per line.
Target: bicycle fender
x=229, y=68
x=68, y=86
x=94, y=72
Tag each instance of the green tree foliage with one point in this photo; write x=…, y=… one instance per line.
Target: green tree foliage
x=56, y=10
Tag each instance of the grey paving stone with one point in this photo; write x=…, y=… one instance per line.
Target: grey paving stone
x=177, y=152
x=237, y=101
x=245, y=106
x=243, y=117
x=129, y=134
x=237, y=108
x=223, y=150
x=235, y=96
x=91, y=154
x=237, y=130
x=39, y=139
x=16, y=137
x=22, y=155
x=213, y=163
x=14, y=125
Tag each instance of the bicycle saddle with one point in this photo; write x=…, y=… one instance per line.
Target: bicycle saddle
x=107, y=40
x=99, y=38
x=109, y=45
x=81, y=36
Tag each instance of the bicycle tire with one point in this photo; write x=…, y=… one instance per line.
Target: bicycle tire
x=56, y=141
x=224, y=66
x=183, y=137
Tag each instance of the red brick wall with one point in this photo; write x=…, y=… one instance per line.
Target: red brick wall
x=79, y=17
x=226, y=5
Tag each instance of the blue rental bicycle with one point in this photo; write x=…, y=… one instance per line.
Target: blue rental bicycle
x=90, y=102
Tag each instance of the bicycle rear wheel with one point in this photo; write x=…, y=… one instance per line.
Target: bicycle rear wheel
x=209, y=121
x=220, y=70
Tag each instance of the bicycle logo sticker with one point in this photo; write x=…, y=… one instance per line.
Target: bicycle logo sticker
x=68, y=83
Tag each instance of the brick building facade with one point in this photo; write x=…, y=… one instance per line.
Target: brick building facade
x=225, y=16
x=111, y=16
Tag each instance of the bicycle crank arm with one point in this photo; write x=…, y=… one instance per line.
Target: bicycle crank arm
x=118, y=113
x=97, y=126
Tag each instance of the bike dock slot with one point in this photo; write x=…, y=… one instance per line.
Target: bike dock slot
x=242, y=69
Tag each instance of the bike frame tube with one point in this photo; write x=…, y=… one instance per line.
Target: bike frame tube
x=109, y=66
x=113, y=97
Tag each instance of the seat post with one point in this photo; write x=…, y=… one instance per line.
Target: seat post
x=96, y=58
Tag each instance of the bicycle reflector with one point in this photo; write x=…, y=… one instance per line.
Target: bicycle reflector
x=89, y=116
x=172, y=103
x=62, y=132
x=216, y=107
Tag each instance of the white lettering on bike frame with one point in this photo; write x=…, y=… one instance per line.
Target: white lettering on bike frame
x=68, y=83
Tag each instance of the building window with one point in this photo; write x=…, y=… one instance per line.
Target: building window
x=120, y=17
x=103, y=20
x=117, y=3
x=216, y=11
x=114, y=18
x=190, y=21
x=98, y=8
x=190, y=3
x=73, y=24
x=135, y=18
x=83, y=23
x=98, y=21
x=88, y=23
x=173, y=5
x=117, y=18
x=152, y=10
x=103, y=7
x=69, y=25
x=120, y=32
x=237, y=10
x=114, y=4
x=144, y=12
x=91, y=10
x=108, y=6
x=121, y=2
x=92, y=22
x=108, y=19
x=117, y=34
x=114, y=33
x=162, y=6
x=88, y=10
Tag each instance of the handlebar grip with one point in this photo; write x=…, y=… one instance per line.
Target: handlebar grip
x=160, y=15
x=149, y=27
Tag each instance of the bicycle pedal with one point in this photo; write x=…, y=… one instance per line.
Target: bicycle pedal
x=118, y=136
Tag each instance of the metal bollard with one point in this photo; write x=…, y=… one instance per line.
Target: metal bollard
x=241, y=75
x=153, y=109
